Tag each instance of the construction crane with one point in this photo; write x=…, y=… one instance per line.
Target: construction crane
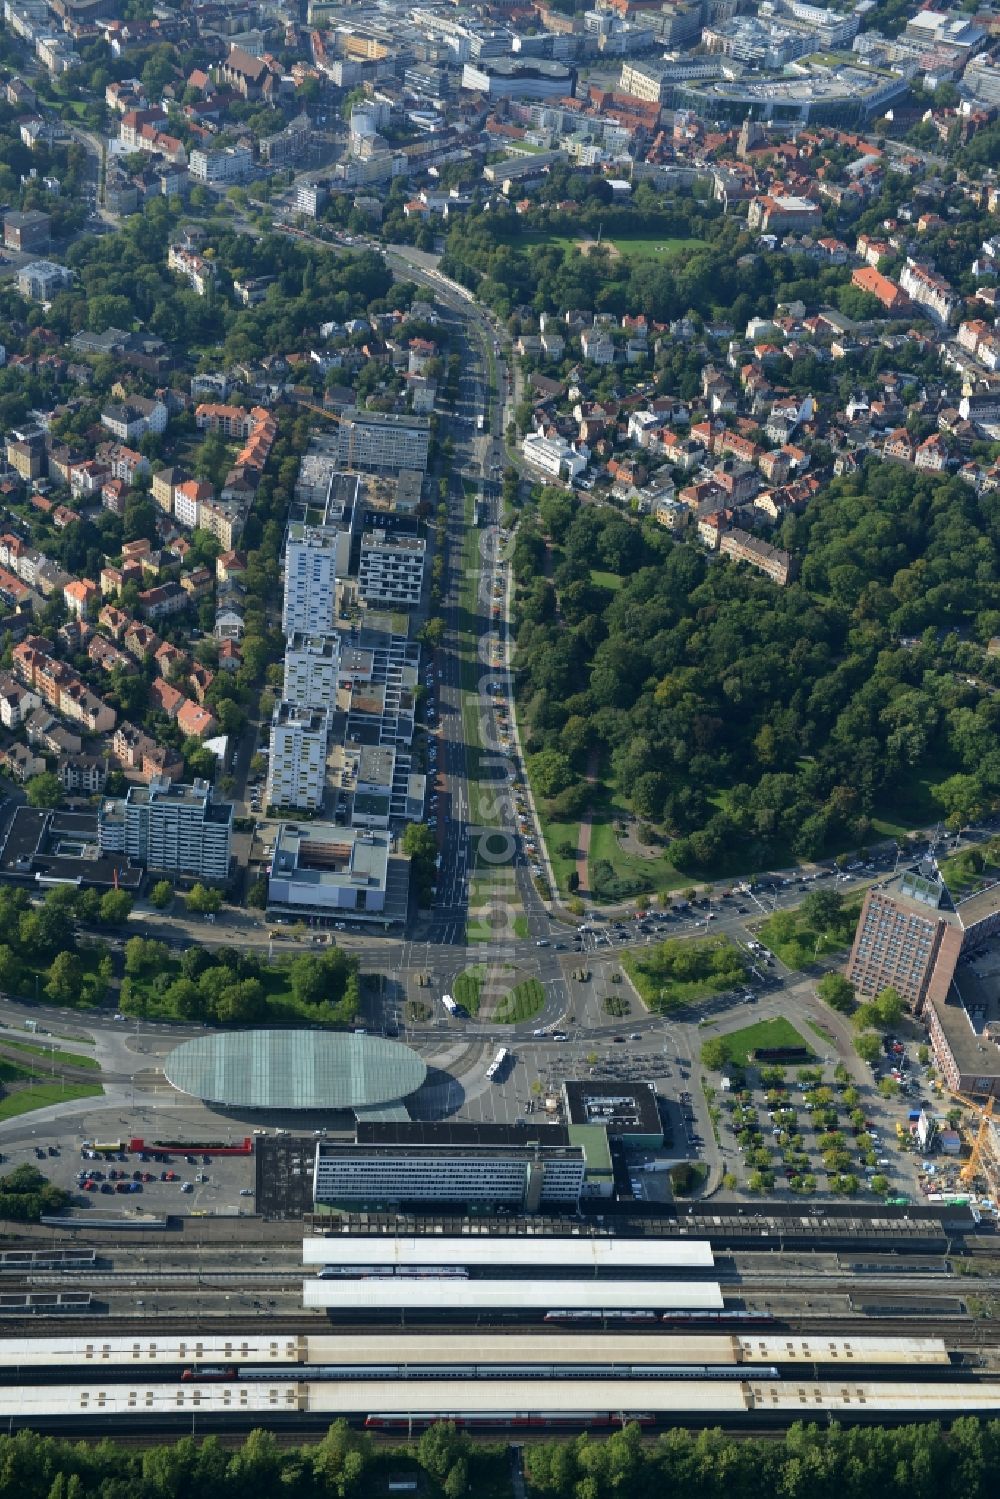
x=983, y=1156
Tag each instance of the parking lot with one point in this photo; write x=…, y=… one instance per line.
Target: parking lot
x=815, y=1131
x=155, y=1181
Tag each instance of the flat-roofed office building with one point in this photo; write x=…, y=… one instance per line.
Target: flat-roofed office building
x=392, y=1165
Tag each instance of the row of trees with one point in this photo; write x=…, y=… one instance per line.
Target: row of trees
x=344, y=1464
x=809, y=1462
x=906, y=1462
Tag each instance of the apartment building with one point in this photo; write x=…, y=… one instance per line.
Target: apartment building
x=231, y=164
x=379, y=440
x=310, y=580
x=196, y=270
x=391, y=570
x=28, y=232
x=930, y=291
x=189, y=496
x=62, y=689
x=297, y=757
x=310, y=198
x=776, y=564
x=170, y=828
x=42, y=280
x=312, y=670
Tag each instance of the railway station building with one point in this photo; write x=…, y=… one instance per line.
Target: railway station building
x=478, y=1168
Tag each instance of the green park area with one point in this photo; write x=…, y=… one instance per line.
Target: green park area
x=620, y=869
x=237, y=987
x=630, y=247
x=763, y=1035
x=824, y=923
x=675, y=973
x=602, y=579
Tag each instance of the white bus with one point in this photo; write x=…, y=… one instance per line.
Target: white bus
x=498, y=1064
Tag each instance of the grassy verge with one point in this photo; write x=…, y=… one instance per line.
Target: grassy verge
x=68, y=1058
x=555, y=834
x=524, y=1002
x=763, y=1034
x=43, y=1095
x=676, y=973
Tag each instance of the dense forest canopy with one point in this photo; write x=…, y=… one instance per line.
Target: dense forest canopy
x=753, y=719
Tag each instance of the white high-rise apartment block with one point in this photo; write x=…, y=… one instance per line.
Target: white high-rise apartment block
x=392, y=569
x=383, y=439
x=170, y=828
x=297, y=761
x=312, y=665
x=310, y=580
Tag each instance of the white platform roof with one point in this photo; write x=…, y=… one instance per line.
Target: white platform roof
x=394, y=1291
x=429, y=1249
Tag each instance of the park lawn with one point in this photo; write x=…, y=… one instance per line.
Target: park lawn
x=648, y=875
x=43, y=1095
x=764, y=1034
x=914, y=804
x=611, y=581
x=630, y=246
x=658, y=247
x=524, y=1002
x=70, y=1058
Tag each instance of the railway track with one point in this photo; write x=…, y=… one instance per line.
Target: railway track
x=959, y=1330
x=153, y=1280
